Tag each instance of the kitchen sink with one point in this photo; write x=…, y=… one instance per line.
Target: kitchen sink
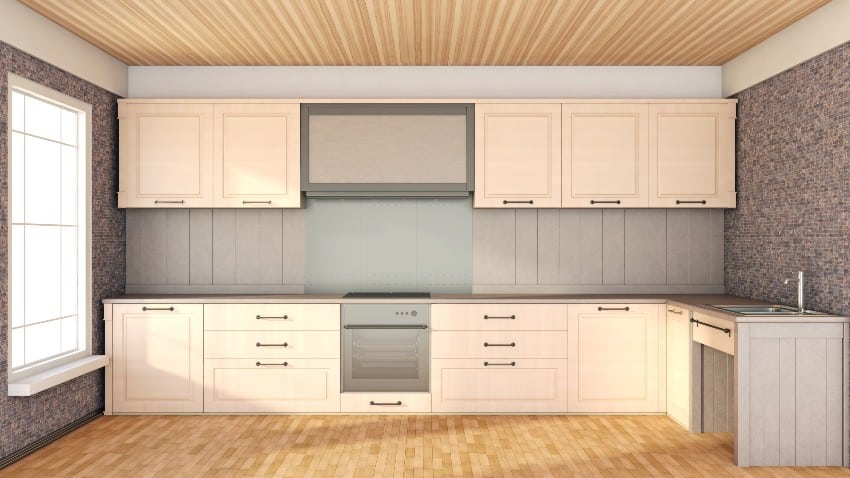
x=762, y=310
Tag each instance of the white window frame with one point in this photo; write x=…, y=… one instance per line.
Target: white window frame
x=32, y=379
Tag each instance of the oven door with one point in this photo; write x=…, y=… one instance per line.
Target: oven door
x=385, y=358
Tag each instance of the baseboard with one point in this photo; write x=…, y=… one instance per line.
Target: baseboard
x=49, y=438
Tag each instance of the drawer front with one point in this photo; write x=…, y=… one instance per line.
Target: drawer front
x=302, y=385
x=271, y=343
x=527, y=386
x=271, y=317
x=711, y=337
x=499, y=317
x=385, y=402
x=499, y=344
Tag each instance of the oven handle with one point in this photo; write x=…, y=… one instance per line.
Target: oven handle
x=385, y=326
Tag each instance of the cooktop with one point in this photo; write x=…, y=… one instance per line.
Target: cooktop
x=387, y=295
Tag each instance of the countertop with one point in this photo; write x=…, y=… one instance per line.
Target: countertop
x=689, y=301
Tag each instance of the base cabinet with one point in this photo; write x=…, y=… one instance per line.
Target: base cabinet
x=386, y=402
x=679, y=365
x=499, y=385
x=616, y=362
x=157, y=358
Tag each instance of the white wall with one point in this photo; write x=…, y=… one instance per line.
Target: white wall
x=822, y=30
x=30, y=32
x=425, y=82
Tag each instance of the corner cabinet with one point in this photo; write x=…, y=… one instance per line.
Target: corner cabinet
x=208, y=154
x=517, y=155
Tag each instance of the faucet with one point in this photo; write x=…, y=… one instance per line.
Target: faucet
x=799, y=281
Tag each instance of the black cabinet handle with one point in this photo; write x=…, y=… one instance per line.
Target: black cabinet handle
x=385, y=404
x=257, y=202
x=168, y=202
x=593, y=201
x=530, y=201
x=261, y=317
x=145, y=309
x=261, y=364
x=725, y=331
x=690, y=202
x=600, y=309
x=507, y=317
x=512, y=344
x=285, y=344
x=674, y=311
x=491, y=364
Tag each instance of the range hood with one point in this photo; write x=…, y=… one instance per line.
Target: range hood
x=387, y=149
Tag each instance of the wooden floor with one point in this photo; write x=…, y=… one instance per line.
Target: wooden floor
x=367, y=446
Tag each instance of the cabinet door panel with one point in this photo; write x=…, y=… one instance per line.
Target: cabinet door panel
x=692, y=155
x=605, y=155
x=678, y=365
x=517, y=155
x=256, y=155
x=498, y=343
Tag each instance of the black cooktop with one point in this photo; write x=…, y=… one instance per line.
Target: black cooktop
x=387, y=295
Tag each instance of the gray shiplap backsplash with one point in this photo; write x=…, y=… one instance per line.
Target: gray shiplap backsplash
x=438, y=245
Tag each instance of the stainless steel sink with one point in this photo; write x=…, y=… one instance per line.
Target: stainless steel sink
x=762, y=310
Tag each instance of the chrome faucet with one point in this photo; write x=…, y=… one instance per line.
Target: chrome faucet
x=799, y=281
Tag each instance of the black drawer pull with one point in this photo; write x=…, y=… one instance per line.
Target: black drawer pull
x=690, y=202
x=594, y=201
x=272, y=345
x=168, y=202
x=257, y=202
x=507, y=317
x=145, y=309
x=512, y=344
x=261, y=364
x=261, y=317
x=725, y=331
x=530, y=201
x=385, y=404
x=491, y=364
x=674, y=311
x=600, y=309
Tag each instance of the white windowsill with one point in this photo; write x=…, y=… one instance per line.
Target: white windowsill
x=26, y=386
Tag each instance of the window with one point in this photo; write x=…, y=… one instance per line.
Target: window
x=49, y=246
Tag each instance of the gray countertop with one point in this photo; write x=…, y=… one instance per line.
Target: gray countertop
x=689, y=301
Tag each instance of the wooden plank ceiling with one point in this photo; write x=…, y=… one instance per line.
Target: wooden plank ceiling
x=424, y=32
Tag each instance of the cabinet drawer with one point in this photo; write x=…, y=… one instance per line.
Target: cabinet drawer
x=302, y=385
x=519, y=386
x=271, y=317
x=712, y=337
x=499, y=317
x=265, y=343
x=386, y=402
x=498, y=343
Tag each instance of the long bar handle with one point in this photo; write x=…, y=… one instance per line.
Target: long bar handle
x=261, y=364
x=285, y=344
x=674, y=311
x=261, y=317
x=506, y=317
x=388, y=326
x=725, y=331
x=385, y=404
x=491, y=364
x=257, y=202
x=512, y=344
x=157, y=201
x=530, y=201
x=594, y=201
x=690, y=202
x=600, y=309
x=145, y=309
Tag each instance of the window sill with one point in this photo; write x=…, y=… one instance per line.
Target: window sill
x=27, y=386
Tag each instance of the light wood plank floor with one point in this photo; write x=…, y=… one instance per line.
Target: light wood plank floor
x=367, y=446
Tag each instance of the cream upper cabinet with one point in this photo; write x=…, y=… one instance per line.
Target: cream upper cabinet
x=165, y=154
x=256, y=155
x=692, y=155
x=616, y=359
x=517, y=155
x=605, y=155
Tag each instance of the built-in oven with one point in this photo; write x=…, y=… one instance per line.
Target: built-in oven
x=385, y=348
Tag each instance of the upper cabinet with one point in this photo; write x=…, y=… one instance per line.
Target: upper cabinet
x=604, y=155
x=517, y=155
x=692, y=155
x=192, y=154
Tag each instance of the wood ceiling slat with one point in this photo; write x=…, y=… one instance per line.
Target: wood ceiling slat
x=424, y=32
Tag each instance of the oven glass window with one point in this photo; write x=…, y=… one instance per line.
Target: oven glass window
x=387, y=354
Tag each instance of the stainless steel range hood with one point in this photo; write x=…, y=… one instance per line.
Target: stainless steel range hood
x=387, y=149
